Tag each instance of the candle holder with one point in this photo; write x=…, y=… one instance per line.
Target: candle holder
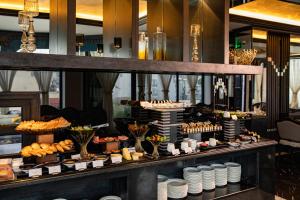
x=23, y=21
x=195, y=33
x=31, y=9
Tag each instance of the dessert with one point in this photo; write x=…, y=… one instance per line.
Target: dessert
x=126, y=154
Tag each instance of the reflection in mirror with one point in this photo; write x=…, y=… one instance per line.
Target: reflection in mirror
x=191, y=88
x=156, y=87
x=46, y=82
x=10, y=117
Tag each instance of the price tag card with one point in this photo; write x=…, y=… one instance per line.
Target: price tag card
x=131, y=150
x=188, y=150
x=35, y=172
x=175, y=152
x=98, y=163
x=116, y=159
x=80, y=166
x=54, y=169
x=76, y=156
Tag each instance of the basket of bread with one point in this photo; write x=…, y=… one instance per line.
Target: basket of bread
x=40, y=127
x=44, y=149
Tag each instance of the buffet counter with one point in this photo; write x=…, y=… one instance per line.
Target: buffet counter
x=137, y=179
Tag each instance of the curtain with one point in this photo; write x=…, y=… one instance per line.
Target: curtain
x=294, y=81
x=43, y=79
x=6, y=79
x=149, y=86
x=257, y=88
x=192, y=81
x=107, y=82
x=141, y=86
x=264, y=85
x=230, y=86
x=166, y=81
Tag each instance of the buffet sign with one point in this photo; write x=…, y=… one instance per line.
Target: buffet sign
x=79, y=166
x=98, y=163
x=54, y=169
x=36, y=172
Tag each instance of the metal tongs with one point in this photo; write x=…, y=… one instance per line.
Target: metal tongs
x=100, y=126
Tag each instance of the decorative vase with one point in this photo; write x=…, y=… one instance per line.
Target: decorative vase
x=155, y=153
x=138, y=144
x=159, y=44
x=83, y=137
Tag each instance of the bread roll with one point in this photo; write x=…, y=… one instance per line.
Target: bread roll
x=44, y=146
x=35, y=146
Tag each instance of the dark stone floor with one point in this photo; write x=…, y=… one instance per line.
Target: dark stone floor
x=288, y=177
x=287, y=184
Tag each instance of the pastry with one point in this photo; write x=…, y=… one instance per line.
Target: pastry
x=35, y=146
x=59, y=148
x=44, y=146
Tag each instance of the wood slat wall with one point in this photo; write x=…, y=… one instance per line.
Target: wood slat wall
x=278, y=48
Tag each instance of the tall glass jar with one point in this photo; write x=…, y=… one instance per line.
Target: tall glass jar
x=143, y=46
x=159, y=44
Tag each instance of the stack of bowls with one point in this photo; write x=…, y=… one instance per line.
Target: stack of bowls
x=234, y=171
x=177, y=188
x=162, y=187
x=220, y=174
x=193, y=176
x=208, y=177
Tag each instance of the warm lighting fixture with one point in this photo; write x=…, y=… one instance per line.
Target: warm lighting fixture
x=195, y=33
x=31, y=10
x=280, y=12
x=23, y=21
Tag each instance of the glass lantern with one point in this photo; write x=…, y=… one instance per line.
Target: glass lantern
x=143, y=46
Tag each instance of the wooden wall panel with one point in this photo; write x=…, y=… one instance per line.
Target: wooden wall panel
x=117, y=22
x=213, y=31
x=278, y=54
x=167, y=14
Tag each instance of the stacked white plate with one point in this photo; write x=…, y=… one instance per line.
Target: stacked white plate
x=234, y=171
x=193, y=176
x=177, y=188
x=220, y=174
x=110, y=198
x=162, y=187
x=208, y=177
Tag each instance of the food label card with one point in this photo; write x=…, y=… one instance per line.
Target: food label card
x=35, y=172
x=80, y=166
x=175, y=152
x=188, y=150
x=117, y=159
x=76, y=156
x=54, y=169
x=98, y=163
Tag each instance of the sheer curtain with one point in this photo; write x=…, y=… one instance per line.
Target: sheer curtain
x=192, y=80
x=149, y=86
x=166, y=81
x=257, y=88
x=43, y=79
x=294, y=81
x=6, y=79
x=107, y=82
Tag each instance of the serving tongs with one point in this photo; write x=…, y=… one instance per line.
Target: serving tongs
x=100, y=126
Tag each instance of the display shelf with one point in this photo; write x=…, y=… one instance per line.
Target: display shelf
x=221, y=192
x=21, y=61
x=129, y=165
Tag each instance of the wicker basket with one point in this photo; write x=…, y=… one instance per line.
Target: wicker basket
x=242, y=56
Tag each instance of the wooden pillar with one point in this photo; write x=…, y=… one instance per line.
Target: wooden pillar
x=168, y=15
x=63, y=41
x=213, y=31
x=62, y=27
x=117, y=17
